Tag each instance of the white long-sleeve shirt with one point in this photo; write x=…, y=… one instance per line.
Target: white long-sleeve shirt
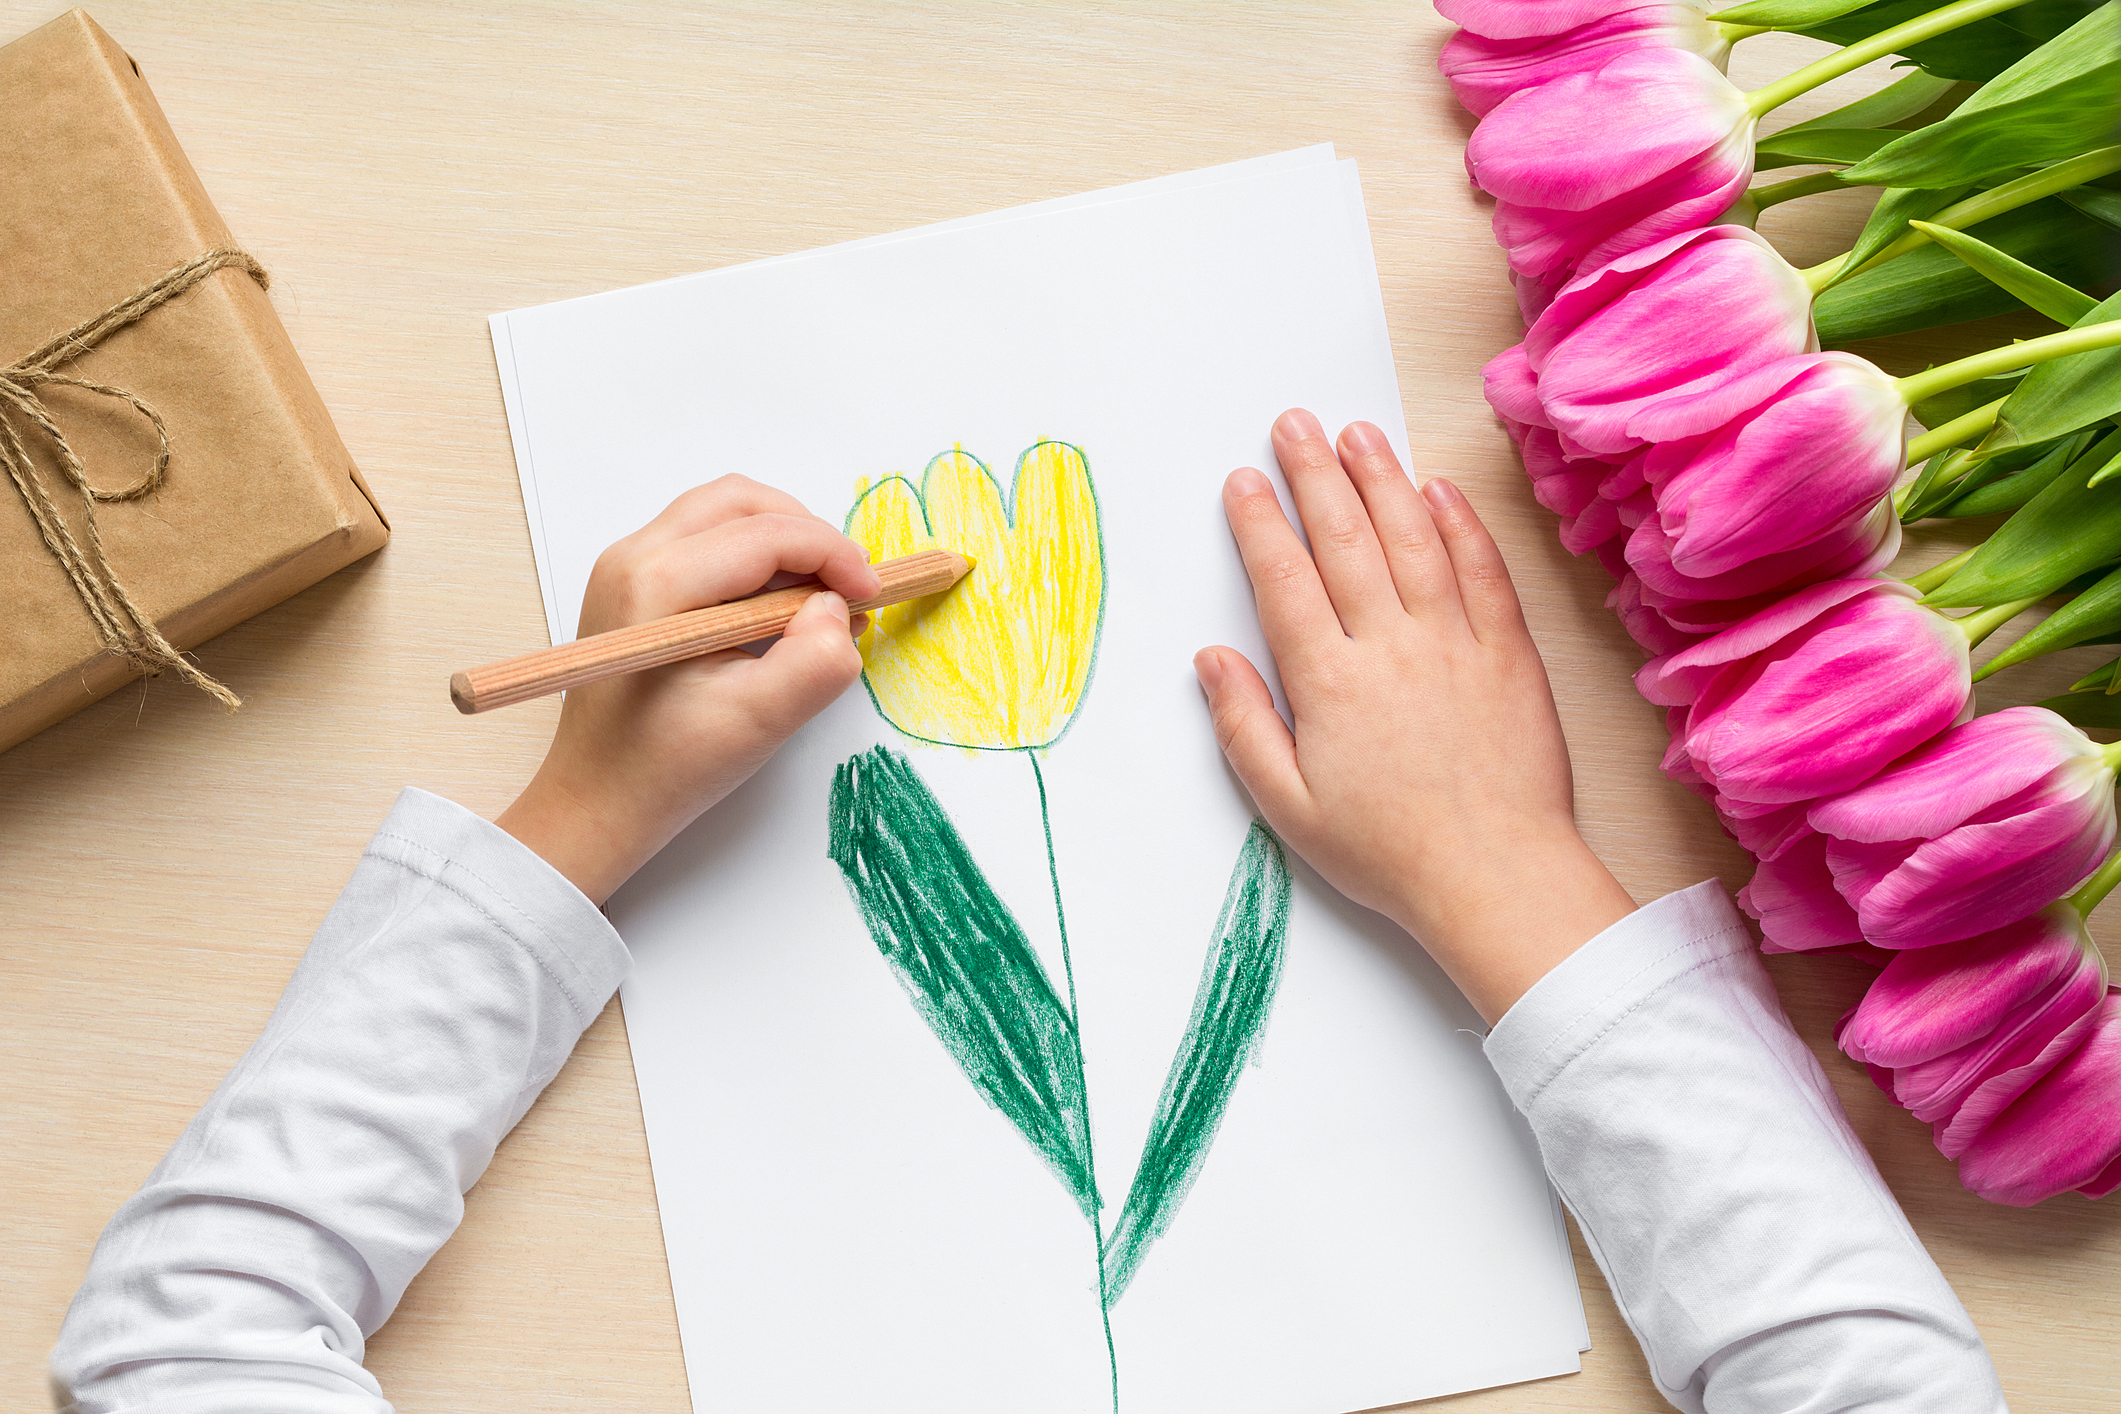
x=1748, y=1239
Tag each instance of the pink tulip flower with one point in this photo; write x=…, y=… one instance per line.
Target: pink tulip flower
x=1858, y=546
x=1982, y=827
x=1484, y=70
x=1965, y=1028
x=1679, y=317
x=1650, y=629
x=1816, y=694
x=1797, y=451
x=1598, y=163
x=1527, y=19
x=2062, y=1133
x=1793, y=898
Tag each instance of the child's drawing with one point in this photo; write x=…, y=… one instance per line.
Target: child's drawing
x=1002, y=663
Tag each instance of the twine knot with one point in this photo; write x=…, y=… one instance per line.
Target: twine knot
x=125, y=630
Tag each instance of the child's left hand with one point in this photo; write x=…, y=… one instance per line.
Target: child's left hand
x=639, y=757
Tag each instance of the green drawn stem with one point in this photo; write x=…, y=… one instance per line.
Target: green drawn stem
x=1075, y=1017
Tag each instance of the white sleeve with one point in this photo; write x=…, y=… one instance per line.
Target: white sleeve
x=443, y=992
x=1749, y=1241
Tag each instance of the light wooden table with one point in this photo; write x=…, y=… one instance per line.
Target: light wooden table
x=406, y=169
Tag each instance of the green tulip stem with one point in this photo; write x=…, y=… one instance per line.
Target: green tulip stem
x=1887, y=41
x=1935, y=575
x=1951, y=434
x=1733, y=33
x=1943, y=378
x=1979, y=625
x=1777, y=193
x=2102, y=883
x=2020, y=191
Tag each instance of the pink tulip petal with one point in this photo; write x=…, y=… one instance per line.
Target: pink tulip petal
x=1524, y=19
x=1931, y=1001
x=1511, y=388
x=1673, y=319
x=1591, y=137
x=1792, y=723
x=1674, y=681
x=1826, y=448
x=1794, y=901
x=1484, y=70
x=1968, y=768
x=2064, y=1132
x=1985, y=874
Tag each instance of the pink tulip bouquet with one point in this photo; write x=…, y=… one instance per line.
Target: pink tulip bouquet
x=1681, y=404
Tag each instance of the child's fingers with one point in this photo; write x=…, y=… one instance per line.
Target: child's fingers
x=1293, y=608
x=1421, y=567
x=814, y=661
x=1343, y=542
x=717, y=502
x=736, y=559
x=1248, y=729
x=1484, y=582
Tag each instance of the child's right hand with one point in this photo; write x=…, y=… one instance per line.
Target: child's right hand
x=1426, y=777
x=639, y=757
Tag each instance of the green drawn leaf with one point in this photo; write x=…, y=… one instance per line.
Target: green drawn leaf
x=2054, y=103
x=962, y=958
x=2039, y=290
x=1229, y=1015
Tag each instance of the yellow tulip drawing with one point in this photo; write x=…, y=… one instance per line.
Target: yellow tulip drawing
x=1000, y=662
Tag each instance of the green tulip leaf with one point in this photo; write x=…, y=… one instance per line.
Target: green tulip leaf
x=2094, y=612
x=2054, y=103
x=1835, y=146
x=1957, y=402
x=1889, y=218
x=2099, y=679
x=1976, y=52
x=1229, y=1017
x=2065, y=529
x=963, y=959
x=2036, y=288
x=2086, y=709
x=2096, y=202
x=1986, y=492
x=1893, y=104
x=1930, y=286
x=2063, y=394
x=1786, y=14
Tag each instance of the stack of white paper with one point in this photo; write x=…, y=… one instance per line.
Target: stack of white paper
x=850, y=1222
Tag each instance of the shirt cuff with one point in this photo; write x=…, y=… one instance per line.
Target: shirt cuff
x=1592, y=991
x=514, y=887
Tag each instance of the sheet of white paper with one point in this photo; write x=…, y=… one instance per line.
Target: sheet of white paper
x=562, y=629
x=847, y=1223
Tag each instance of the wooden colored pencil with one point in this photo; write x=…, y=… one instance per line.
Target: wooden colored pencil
x=686, y=635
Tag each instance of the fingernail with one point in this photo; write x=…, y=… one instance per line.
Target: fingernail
x=1440, y=493
x=1208, y=667
x=1248, y=481
x=1363, y=440
x=831, y=603
x=1296, y=425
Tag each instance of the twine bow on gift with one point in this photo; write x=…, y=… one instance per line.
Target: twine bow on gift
x=125, y=630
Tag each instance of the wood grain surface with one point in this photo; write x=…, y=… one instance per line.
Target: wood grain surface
x=405, y=169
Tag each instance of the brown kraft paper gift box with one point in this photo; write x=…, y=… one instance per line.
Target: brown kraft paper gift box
x=259, y=500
